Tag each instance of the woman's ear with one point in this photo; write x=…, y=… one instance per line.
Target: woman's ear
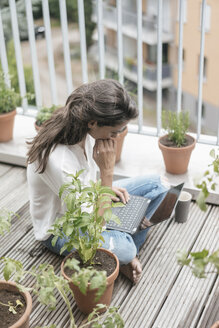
x=92, y=124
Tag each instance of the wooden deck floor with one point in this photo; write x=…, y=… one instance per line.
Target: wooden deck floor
x=167, y=295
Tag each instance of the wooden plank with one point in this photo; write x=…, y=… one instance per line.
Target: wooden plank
x=211, y=312
x=19, y=227
x=11, y=180
x=185, y=302
x=4, y=168
x=13, y=189
x=145, y=300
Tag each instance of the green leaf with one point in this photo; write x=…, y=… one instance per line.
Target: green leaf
x=182, y=257
x=212, y=153
x=201, y=201
x=118, y=204
x=54, y=240
x=200, y=255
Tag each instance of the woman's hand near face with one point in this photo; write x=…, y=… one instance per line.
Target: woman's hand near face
x=104, y=154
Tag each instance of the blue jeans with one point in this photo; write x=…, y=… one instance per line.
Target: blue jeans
x=125, y=246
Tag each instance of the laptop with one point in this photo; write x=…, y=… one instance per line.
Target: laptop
x=133, y=212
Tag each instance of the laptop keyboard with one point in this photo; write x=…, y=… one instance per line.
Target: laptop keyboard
x=130, y=215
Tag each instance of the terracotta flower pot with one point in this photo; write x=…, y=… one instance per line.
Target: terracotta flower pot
x=86, y=303
x=23, y=322
x=176, y=159
x=215, y=325
x=6, y=126
x=120, y=139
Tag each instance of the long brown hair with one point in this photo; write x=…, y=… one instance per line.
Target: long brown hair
x=104, y=101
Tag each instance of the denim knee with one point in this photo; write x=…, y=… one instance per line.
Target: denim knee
x=121, y=244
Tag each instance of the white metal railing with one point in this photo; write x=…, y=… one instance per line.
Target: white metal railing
x=120, y=18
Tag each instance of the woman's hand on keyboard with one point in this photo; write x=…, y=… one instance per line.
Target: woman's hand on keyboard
x=122, y=195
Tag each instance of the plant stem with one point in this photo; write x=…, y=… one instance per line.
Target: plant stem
x=4, y=304
x=65, y=298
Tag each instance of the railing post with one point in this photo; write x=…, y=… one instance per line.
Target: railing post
x=51, y=64
x=67, y=57
x=101, y=38
x=180, y=56
x=18, y=54
x=3, y=54
x=36, y=77
x=201, y=66
x=120, y=41
x=140, y=66
x=159, y=65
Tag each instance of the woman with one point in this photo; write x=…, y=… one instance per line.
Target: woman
x=82, y=136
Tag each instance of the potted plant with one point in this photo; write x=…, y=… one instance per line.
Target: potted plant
x=44, y=114
x=87, y=210
x=9, y=100
x=15, y=305
x=176, y=145
x=47, y=283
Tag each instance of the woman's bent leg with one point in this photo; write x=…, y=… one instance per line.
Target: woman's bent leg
x=149, y=187
x=121, y=244
x=58, y=246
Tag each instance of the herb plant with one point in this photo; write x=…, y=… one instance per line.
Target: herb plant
x=176, y=125
x=47, y=282
x=83, y=222
x=44, y=114
x=9, y=98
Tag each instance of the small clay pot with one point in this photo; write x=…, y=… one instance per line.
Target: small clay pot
x=176, y=159
x=23, y=322
x=7, y=126
x=86, y=303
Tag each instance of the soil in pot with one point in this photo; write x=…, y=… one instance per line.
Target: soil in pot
x=7, y=318
x=102, y=262
x=169, y=143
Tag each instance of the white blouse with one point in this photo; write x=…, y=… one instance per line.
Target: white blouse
x=45, y=204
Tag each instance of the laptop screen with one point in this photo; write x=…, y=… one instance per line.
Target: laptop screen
x=166, y=207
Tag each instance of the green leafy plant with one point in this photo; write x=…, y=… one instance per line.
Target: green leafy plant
x=9, y=98
x=198, y=261
x=176, y=125
x=209, y=180
x=44, y=114
x=6, y=217
x=83, y=222
x=47, y=282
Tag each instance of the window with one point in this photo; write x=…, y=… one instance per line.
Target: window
x=152, y=53
x=183, y=57
x=203, y=114
x=205, y=67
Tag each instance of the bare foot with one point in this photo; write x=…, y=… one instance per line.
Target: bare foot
x=132, y=270
x=145, y=223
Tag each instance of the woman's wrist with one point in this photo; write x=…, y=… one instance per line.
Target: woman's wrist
x=106, y=177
